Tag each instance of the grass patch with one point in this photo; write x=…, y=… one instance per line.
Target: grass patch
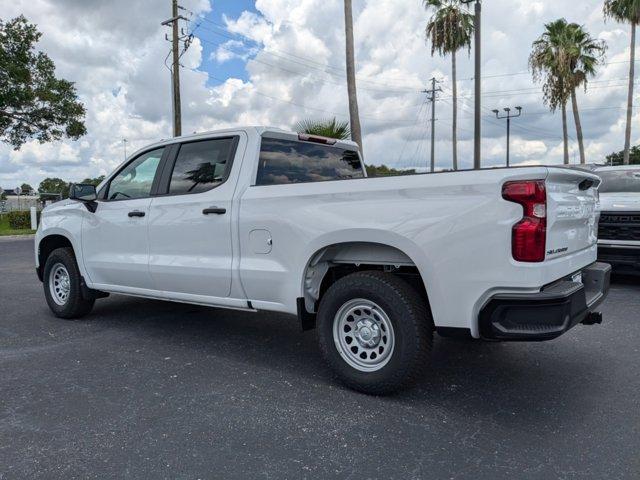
x=5, y=229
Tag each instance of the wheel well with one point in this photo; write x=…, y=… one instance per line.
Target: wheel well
x=337, y=261
x=47, y=245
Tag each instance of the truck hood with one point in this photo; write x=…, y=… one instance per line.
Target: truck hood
x=60, y=205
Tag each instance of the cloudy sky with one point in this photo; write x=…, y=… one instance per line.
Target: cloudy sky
x=278, y=61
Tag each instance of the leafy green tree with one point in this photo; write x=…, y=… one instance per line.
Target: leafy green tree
x=54, y=185
x=26, y=188
x=626, y=11
x=330, y=128
x=94, y=181
x=384, y=171
x=450, y=29
x=618, y=158
x=34, y=104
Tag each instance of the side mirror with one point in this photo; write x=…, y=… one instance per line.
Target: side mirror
x=85, y=193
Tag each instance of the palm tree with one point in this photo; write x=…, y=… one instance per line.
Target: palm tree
x=450, y=29
x=548, y=65
x=626, y=11
x=330, y=128
x=356, y=133
x=585, y=53
x=565, y=56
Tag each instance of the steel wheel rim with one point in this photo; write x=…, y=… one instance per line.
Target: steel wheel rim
x=59, y=284
x=363, y=335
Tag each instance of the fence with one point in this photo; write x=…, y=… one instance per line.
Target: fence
x=20, y=203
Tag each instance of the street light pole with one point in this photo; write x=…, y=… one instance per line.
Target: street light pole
x=477, y=136
x=508, y=117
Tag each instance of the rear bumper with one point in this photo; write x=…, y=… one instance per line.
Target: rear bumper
x=547, y=314
x=623, y=258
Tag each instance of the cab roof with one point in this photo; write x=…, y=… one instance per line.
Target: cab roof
x=259, y=129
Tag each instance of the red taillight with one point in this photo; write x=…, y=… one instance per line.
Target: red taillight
x=529, y=235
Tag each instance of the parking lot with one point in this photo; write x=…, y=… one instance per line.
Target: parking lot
x=147, y=389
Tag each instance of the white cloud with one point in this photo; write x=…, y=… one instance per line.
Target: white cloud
x=232, y=49
x=529, y=148
x=116, y=61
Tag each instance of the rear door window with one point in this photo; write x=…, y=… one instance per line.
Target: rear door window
x=201, y=166
x=287, y=161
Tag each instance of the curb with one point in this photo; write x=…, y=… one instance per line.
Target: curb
x=17, y=237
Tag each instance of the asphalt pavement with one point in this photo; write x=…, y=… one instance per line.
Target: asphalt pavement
x=148, y=389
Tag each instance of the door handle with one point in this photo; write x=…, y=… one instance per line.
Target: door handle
x=214, y=211
x=136, y=213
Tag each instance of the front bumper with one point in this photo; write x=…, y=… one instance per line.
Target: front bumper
x=623, y=258
x=547, y=314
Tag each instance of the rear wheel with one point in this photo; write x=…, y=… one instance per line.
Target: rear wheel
x=62, y=285
x=375, y=331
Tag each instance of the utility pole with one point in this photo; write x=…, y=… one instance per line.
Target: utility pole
x=508, y=117
x=432, y=98
x=477, y=140
x=354, y=116
x=175, y=70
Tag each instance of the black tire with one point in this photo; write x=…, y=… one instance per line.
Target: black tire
x=75, y=306
x=411, y=321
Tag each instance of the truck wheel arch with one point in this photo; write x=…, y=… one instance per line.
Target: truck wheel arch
x=47, y=245
x=332, y=262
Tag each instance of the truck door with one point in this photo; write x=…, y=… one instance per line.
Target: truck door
x=114, y=237
x=190, y=221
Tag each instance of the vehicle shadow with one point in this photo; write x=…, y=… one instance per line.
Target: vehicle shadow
x=514, y=384
x=625, y=279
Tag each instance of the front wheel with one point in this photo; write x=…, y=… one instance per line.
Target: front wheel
x=62, y=285
x=375, y=331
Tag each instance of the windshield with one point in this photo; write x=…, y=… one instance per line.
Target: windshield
x=616, y=181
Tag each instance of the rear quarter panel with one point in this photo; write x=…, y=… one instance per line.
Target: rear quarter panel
x=454, y=226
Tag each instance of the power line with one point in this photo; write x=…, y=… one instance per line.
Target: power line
x=306, y=107
x=527, y=72
x=405, y=123
x=533, y=91
x=380, y=87
x=490, y=120
x=305, y=61
x=405, y=90
x=229, y=34
x=416, y=124
x=314, y=64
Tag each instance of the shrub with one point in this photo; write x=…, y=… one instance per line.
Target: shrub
x=20, y=220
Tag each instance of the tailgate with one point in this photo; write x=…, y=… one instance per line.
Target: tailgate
x=572, y=223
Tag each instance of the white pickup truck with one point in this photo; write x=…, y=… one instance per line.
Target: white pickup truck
x=619, y=232
x=264, y=219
